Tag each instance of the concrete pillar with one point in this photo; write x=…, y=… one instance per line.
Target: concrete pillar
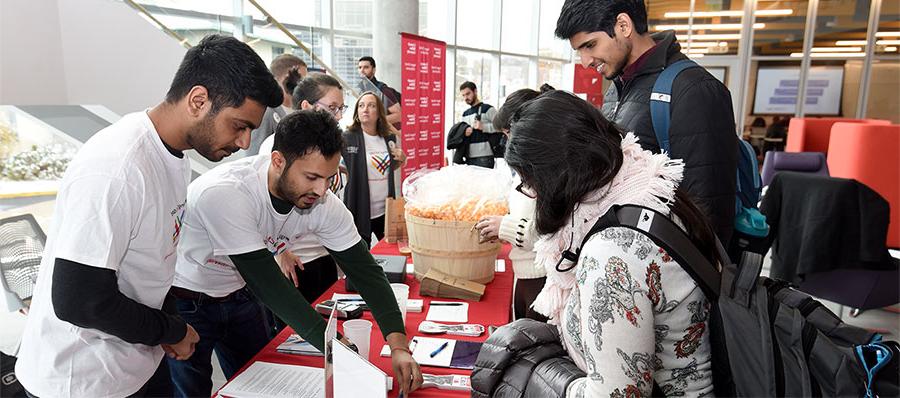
x=389, y=18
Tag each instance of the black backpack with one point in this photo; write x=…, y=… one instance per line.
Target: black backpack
x=768, y=339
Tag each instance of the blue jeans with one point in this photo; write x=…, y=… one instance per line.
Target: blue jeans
x=234, y=328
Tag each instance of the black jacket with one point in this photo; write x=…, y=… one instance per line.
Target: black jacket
x=356, y=194
x=457, y=139
x=523, y=359
x=821, y=224
x=702, y=129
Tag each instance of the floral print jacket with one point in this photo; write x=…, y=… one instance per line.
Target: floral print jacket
x=635, y=318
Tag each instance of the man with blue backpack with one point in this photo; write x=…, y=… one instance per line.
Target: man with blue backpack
x=668, y=101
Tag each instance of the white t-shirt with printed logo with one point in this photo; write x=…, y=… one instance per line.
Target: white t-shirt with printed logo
x=379, y=165
x=119, y=207
x=229, y=212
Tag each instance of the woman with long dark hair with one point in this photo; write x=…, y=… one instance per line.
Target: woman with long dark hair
x=371, y=155
x=628, y=314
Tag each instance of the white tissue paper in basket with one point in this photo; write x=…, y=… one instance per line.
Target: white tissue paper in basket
x=457, y=193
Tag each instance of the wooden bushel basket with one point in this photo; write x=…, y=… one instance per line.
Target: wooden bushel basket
x=450, y=247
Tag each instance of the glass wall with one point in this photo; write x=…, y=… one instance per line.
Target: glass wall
x=500, y=45
x=711, y=28
x=781, y=26
x=883, y=94
x=505, y=45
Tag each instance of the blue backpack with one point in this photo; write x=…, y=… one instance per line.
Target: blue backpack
x=748, y=219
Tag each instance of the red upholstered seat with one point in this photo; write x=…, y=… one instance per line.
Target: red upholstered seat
x=870, y=154
x=812, y=134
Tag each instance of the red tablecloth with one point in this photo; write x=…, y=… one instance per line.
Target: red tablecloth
x=493, y=309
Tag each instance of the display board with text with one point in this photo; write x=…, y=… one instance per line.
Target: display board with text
x=777, y=89
x=423, y=89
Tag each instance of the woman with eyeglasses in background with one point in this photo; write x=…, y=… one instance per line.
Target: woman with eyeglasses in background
x=370, y=155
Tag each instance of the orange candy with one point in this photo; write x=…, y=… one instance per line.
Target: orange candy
x=468, y=210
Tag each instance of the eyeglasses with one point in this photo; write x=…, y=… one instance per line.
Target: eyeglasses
x=334, y=109
x=526, y=190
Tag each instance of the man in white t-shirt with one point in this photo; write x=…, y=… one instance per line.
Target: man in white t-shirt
x=226, y=256
x=306, y=262
x=96, y=327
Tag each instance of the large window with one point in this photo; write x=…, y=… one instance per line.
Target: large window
x=551, y=72
x=478, y=68
x=515, y=37
x=353, y=15
x=888, y=34
x=436, y=20
x=516, y=75
x=883, y=101
x=505, y=45
x=477, y=24
x=549, y=45
x=784, y=27
x=520, y=50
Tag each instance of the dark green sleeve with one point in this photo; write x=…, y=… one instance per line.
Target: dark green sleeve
x=265, y=280
x=373, y=286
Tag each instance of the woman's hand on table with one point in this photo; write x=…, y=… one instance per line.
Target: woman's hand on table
x=406, y=370
x=289, y=262
x=489, y=229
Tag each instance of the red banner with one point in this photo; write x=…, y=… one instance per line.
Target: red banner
x=590, y=82
x=422, y=132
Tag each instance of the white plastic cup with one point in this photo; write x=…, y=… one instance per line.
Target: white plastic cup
x=401, y=293
x=359, y=332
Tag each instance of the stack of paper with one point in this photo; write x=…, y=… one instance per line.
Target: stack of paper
x=448, y=311
x=265, y=379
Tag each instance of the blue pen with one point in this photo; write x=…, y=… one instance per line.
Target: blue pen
x=439, y=349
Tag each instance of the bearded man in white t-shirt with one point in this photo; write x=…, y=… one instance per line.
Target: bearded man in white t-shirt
x=226, y=256
x=306, y=262
x=97, y=327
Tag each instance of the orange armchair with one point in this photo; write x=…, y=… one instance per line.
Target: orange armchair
x=870, y=154
x=812, y=134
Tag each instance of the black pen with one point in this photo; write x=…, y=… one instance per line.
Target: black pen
x=447, y=304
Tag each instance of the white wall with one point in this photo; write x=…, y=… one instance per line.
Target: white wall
x=104, y=53
x=31, y=65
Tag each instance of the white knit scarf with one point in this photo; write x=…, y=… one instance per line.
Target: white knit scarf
x=645, y=179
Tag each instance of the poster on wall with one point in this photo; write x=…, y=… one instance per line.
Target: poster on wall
x=777, y=89
x=422, y=76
